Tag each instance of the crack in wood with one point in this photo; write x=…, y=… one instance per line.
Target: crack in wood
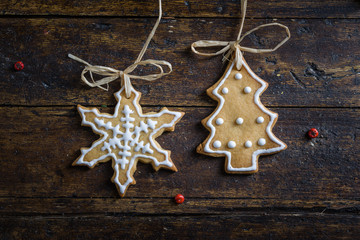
x=297, y=80
x=312, y=70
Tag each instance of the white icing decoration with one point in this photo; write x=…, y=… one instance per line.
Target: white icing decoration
x=260, y=120
x=239, y=121
x=231, y=144
x=248, y=144
x=261, y=142
x=219, y=121
x=123, y=141
x=238, y=76
x=126, y=141
x=247, y=90
x=268, y=128
x=225, y=90
x=217, y=144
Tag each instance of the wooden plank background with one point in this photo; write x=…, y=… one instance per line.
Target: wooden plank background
x=309, y=191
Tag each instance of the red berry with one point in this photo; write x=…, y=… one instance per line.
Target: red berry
x=313, y=133
x=179, y=198
x=19, y=66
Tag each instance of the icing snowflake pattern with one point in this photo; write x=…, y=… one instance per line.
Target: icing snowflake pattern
x=126, y=137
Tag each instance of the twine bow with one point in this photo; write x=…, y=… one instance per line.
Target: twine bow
x=112, y=74
x=234, y=46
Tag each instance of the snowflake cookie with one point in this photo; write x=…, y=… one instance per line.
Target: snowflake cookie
x=240, y=127
x=126, y=137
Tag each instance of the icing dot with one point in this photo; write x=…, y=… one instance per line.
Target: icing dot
x=260, y=120
x=217, y=144
x=248, y=144
x=247, y=90
x=225, y=90
x=238, y=76
x=239, y=121
x=261, y=142
x=231, y=144
x=219, y=121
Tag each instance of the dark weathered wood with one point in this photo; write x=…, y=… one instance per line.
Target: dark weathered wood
x=166, y=205
x=309, y=191
x=246, y=225
x=191, y=8
x=38, y=146
x=319, y=66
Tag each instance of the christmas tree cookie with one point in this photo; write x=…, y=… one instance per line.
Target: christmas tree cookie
x=240, y=127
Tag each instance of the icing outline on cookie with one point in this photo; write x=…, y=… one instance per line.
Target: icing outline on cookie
x=273, y=117
x=116, y=161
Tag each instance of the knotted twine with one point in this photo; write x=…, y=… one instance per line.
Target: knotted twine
x=230, y=46
x=113, y=74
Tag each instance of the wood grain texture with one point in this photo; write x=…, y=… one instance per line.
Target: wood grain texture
x=318, y=67
x=309, y=191
x=32, y=206
x=37, y=156
x=247, y=225
x=189, y=8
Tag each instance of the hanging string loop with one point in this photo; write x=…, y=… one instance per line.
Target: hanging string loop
x=229, y=47
x=111, y=74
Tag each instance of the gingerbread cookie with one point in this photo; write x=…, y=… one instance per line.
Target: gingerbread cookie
x=240, y=127
x=126, y=137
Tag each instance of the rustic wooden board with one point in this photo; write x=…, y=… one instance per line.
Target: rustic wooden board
x=190, y=8
x=247, y=225
x=318, y=67
x=37, y=156
x=309, y=191
x=31, y=206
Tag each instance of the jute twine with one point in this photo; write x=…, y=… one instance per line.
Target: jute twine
x=112, y=74
x=230, y=46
